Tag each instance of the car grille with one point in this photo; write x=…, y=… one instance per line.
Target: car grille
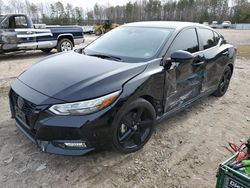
x=27, y=109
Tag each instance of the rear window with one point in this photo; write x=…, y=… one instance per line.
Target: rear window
x=208, y=38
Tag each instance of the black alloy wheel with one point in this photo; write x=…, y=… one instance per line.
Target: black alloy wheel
x=134, y=127
x=224, y=83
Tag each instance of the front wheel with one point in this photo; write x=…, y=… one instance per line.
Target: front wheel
x=133, y=126
x=224, y=83
x=64, y=45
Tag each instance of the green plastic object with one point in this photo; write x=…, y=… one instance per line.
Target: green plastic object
x=246, y=163
x=230, y=178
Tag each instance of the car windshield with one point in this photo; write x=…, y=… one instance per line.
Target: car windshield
x=130, y=44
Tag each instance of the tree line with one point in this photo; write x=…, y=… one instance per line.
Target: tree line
x=236, y=11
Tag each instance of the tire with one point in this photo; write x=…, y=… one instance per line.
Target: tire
x=133, y=126
x=98, y=32
x=64, y=45
x=224, y=83
x=46, y=50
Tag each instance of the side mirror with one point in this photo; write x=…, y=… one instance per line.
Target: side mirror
x=180, y=56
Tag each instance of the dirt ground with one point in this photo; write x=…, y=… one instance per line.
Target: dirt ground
x=185, y=151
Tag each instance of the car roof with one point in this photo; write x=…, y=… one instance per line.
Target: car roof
x=165, y=24
x=13, y=15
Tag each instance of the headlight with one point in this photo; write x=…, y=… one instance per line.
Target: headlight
x=84, y=107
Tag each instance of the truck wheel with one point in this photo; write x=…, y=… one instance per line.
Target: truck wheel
x=64, y=45
x=98, y=32
x=46, y=50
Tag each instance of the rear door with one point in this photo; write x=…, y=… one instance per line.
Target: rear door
x=216, y=57
x=184, y=80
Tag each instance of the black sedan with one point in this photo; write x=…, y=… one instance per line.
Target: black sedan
x=115, y=90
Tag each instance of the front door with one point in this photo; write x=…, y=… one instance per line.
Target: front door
x=26, y=38
x=184, y=80
x=8, y=36
x=18, y=33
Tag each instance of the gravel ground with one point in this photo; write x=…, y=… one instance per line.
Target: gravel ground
x=184, y=152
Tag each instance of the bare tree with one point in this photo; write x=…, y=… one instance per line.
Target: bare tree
x=16, y=6
x=140, y=10
x=1, y=7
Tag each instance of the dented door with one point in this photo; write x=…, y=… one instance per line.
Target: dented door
x=184, y=80
x=8, y=36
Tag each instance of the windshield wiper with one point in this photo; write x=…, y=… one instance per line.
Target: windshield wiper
x=106, y=57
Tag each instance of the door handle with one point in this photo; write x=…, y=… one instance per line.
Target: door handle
x=29, y=32
x=225, y=53
x=199, y=60
x=200, y=63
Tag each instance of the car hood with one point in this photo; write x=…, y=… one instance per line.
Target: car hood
x=72, y=76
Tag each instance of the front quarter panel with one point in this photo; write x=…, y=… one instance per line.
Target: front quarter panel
x=148, y=85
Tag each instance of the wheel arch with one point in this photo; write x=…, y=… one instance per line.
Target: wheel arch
x=231, y=67
x=154, y=102
x=66, y=36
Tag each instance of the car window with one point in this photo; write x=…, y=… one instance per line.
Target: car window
x=1, y=17
x=6, y=24
x=208, y=38
x=216, y=38
x=186, y=40
x=20, y=22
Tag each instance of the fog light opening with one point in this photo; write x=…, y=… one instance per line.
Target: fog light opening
x=75, y=144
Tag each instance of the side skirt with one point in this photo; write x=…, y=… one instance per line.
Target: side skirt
x=183, y=107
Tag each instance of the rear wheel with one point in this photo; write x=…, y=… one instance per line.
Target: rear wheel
x=224, y=83
x=133, y=126
x=64, y=45
x=46, y=50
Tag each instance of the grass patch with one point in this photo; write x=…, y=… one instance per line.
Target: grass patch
x=243, y=51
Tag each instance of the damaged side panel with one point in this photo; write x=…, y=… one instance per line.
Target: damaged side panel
x=8, y=40
x=21, y=39
x=183, y=83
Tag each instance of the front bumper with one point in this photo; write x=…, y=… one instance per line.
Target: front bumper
x=51, y=133
x=55, y=146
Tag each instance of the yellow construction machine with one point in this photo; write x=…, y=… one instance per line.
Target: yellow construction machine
x=104, y=27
